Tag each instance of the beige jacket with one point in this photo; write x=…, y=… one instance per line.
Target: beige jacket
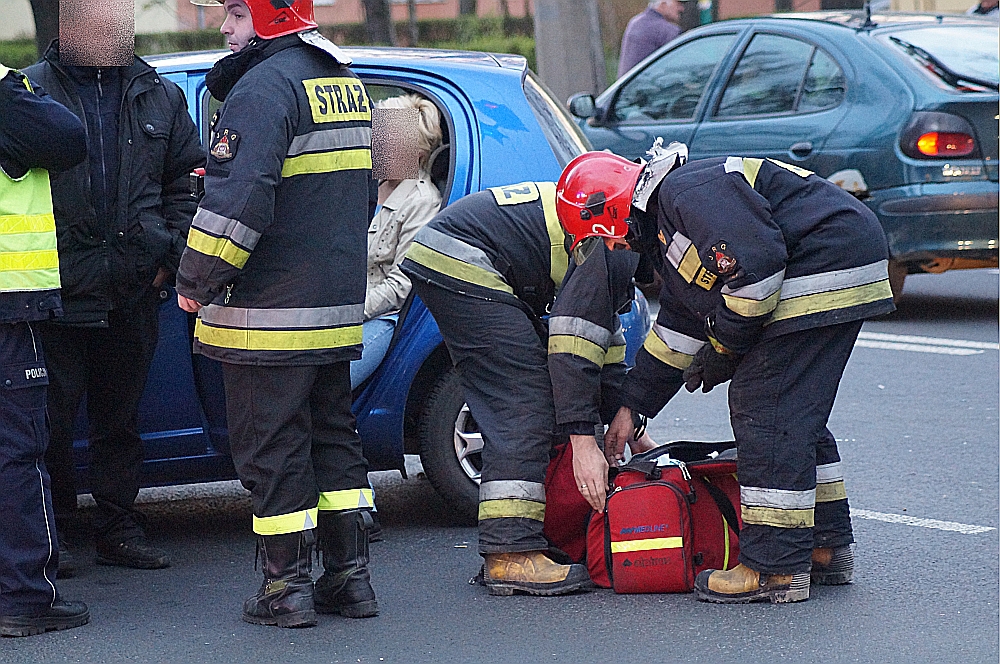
x=407, y=209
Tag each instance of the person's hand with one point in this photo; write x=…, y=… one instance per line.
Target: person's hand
x=619, y=433
x=709, y=368
x=187, y=304
x=590, y=469
x=643, y=444
x=161, y=276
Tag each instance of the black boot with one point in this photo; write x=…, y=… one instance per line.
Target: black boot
x=286, y=597
x=345, y=586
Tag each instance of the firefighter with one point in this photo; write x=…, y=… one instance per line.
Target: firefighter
x=37, y=134
x=275, y=265
x=488, y=267
x=768, y=274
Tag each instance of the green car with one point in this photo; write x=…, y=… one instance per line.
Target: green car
x=899, y=109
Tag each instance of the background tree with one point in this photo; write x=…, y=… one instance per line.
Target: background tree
x=378, y=22
x=46, y=13
x=411, y=6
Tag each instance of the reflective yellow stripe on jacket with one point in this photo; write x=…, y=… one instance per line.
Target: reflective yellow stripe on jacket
x=298, y=329
x=29, y=260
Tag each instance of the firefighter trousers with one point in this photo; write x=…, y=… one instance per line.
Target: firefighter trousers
x=503, y=365
x=791, y=485
x=294, y=443
x=29, y=551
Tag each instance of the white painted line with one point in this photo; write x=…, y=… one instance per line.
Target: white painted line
x=929, y=341
x=916, y=348
x=963, y=528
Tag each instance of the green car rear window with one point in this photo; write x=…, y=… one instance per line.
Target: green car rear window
x=976, y=58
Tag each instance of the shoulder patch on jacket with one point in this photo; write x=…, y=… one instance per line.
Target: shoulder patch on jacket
x=722, y=258
x=225, y=145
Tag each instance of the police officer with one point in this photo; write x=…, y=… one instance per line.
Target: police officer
x=768, y=274
x=488, y=267
x=275, y=262
x=37, y=134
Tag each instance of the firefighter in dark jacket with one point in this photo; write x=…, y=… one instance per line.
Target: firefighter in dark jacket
x=276, y=262
x=37, y=135
x=488, y=268
x=768, y=274
x=122, y=217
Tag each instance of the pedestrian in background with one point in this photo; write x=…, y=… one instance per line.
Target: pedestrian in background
x=648, y=31
x=985, y=8
x=37, y=134
x=122, y=218
x=275, y=264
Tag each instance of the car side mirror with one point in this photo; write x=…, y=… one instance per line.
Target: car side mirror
x=582, y=105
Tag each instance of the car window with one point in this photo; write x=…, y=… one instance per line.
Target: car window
x=670, y=87
x=936, y=53
x=767, y=78
x=564, y=137
x=824, y=86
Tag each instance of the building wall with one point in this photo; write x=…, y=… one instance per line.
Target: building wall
x=18, y=21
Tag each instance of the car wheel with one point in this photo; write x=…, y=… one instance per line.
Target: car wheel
x=451, y=447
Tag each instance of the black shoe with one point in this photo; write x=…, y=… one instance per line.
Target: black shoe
x=345, y=586
x=135, y=552
x=67, y=561
x=285, y=598
x=61, y=615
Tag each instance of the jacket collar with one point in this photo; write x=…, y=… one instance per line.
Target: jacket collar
x=403, y=191
x=129, y=73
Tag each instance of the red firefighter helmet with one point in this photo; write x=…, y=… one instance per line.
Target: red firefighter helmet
x=275, y=18
x=594, y=196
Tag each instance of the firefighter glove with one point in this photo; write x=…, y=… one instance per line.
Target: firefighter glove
x=709, y=368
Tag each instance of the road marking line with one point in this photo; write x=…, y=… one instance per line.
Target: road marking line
x=916, y=348
x=963, y=528
x=929, y=341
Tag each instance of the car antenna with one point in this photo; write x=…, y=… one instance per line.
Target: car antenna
x=868, y=16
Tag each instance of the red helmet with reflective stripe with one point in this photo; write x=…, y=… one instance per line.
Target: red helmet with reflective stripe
x=275, y=18
x=594, y=196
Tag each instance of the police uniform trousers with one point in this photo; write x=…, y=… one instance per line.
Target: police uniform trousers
x=791, y=484
x=29, y=550
x=109, y=365
x=503, y=365
x=294, y=443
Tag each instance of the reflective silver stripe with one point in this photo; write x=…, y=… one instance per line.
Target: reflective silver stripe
x=517, y=489
x=678, y=246
x=835, y=280
x=829, y=472
x=758, y=291
x=454, y=248
x=579, y=327
x=676, y=341
x=734, y=165
x=216, y=224
x=331, y=139
x=257, y=319
x=778, y=498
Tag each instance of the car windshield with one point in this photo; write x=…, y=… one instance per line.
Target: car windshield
x=973, y=67
x=562, y=134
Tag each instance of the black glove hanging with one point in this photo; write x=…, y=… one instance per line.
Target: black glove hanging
x=709, y=368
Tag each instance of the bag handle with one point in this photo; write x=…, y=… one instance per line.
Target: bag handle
x=724, y=504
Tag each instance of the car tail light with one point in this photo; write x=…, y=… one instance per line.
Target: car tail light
x=935, y=135
x=945, y=144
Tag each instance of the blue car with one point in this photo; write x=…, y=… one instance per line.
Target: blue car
x=899, y=109
x=500, y=126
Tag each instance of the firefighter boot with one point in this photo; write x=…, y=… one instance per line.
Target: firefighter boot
x=286, y=597
x=832, y=567
x=345, y=586
x=532, y=573
x=742, y=585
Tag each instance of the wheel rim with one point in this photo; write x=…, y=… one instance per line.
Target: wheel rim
x=468, y=444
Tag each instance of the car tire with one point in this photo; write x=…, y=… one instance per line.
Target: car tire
x=446, y=426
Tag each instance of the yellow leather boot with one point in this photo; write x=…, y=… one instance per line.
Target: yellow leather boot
x=532, y=573
x=742, y=585
x=832, y=567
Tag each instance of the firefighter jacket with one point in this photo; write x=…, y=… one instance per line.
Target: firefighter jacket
x=109, y=260
x=29, y=260
x=751, y=249
x=586, y=339
x=501, y=244
x=277, y=247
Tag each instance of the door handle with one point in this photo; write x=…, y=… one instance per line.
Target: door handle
x=801, y=149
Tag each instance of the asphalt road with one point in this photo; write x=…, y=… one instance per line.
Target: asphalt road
x=918, y=425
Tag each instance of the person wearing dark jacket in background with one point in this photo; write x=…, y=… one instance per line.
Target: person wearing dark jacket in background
x=648, y=31
x=36, y=135
x=122, y=218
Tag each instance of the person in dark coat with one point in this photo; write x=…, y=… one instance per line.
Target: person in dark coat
x=122, y=218
x=648, y=31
